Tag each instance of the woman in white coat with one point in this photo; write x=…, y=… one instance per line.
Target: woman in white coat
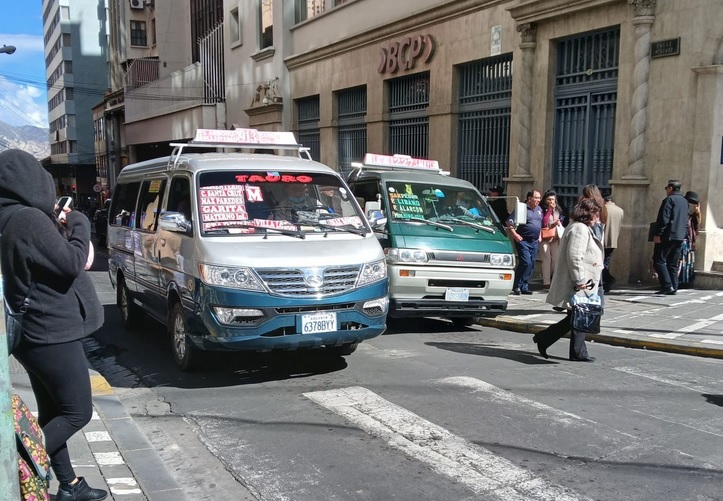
x=579, y=267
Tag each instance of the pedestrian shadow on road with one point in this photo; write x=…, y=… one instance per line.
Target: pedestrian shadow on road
x=493, y=351
x=714, y=399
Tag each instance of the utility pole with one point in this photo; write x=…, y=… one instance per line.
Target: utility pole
x=8, y=449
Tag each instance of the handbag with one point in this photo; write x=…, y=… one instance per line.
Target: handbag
x=587, y=311
x=548, y=233
x=14, y=324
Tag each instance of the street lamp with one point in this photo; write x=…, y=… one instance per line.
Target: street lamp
x=7, y=49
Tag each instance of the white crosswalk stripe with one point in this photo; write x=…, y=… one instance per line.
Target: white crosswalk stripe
x=481, y=470
x=494, y=393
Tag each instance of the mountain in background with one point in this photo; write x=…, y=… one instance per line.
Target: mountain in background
x=34, y=140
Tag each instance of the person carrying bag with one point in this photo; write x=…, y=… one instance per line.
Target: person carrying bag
x=587, y=311
x=579, y=268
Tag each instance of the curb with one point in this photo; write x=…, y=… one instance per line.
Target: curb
x=682, y=347
x=140, y=457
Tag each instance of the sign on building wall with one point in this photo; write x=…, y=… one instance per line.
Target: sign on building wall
x=665, y=48
x=403, y=55
x=496, y=41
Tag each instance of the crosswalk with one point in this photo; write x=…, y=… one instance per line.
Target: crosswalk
x=478, y=468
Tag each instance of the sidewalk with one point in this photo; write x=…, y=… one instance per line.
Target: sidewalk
x=110, y=452
x=690, y=322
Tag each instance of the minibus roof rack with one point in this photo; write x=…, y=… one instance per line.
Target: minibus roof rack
x=396, y=162
x=239, y=138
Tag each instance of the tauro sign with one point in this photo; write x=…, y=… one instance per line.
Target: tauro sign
x=403, y=55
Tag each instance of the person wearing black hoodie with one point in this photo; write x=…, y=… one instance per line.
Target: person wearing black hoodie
x=45, y=264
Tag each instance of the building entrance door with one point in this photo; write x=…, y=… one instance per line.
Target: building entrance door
x=585, y=106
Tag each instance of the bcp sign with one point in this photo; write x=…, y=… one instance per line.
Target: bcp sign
x=405, y=54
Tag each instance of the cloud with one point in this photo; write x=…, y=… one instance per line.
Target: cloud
x=22, y=104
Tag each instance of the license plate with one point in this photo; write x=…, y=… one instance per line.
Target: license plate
x=314, y=323
x=456, y=294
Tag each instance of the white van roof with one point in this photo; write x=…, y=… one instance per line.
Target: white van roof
x=215, y=140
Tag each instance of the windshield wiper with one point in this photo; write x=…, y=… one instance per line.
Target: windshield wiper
x=477, y=226
x=266, y=229
x=425, y=221
x=344, y=227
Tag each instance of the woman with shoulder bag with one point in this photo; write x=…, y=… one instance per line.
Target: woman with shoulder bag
x=46, y=266
x=579, y=269
x=552, y=223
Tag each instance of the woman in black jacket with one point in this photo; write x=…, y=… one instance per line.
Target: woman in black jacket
x=45, y=263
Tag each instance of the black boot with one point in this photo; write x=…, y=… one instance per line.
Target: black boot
x=80, y=491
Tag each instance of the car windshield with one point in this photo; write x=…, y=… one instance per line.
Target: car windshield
x=438, y=203
x=251, y=202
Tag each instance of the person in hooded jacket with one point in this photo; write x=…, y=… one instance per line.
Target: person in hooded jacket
x=46, y=266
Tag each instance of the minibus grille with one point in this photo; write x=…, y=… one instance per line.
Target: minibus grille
x=460, y=257
x=305, y=282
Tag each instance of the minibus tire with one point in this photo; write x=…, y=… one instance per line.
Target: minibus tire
x=184, y=354
x=464, y=321
x=343, y=350
x=130, y=313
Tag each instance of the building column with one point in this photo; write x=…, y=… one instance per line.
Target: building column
x=643, y=21
x=521, y=180
x=631, y=185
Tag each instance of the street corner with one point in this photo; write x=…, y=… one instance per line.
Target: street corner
x=99, y=385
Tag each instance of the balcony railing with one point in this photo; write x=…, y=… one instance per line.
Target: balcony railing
x=141, y=72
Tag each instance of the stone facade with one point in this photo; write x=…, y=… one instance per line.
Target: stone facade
x=669, y=111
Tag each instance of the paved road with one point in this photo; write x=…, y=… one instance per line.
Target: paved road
x=432, y=413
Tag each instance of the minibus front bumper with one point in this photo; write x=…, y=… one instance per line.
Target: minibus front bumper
x=282, y=323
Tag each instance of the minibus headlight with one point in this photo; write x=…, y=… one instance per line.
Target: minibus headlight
x=230, y=316
x=236, y=278
x=501, y=260
x=372, y=272
x=395, y=255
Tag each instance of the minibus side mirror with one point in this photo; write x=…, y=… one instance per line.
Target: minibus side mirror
x=175, y=222
x=520, y=213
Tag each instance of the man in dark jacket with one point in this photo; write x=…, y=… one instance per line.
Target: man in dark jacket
x=668, y=235
x=44, y=263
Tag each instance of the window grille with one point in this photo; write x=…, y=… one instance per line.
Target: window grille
x=308, y=125
x=408, y=118
x=485, y=97
x=585, y=109
x=352, y=129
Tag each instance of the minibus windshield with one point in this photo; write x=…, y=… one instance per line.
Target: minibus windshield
x=249, y=202
x=438, y=203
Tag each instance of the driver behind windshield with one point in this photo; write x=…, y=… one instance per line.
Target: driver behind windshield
x=458, y=203
x=296, y=199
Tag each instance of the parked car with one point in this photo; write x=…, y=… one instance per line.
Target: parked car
x=100, y=220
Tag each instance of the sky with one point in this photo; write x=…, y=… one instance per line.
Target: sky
x=23, y=97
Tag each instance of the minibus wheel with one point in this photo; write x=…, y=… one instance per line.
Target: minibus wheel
x=464, y=321
x=129, y=311
x=343, y=350
x=183, y=351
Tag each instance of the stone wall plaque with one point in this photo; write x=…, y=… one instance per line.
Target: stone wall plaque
x=664, y=48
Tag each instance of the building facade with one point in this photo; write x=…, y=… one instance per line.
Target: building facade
x=531, y=94
x=76, y=72
x=538, y=94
